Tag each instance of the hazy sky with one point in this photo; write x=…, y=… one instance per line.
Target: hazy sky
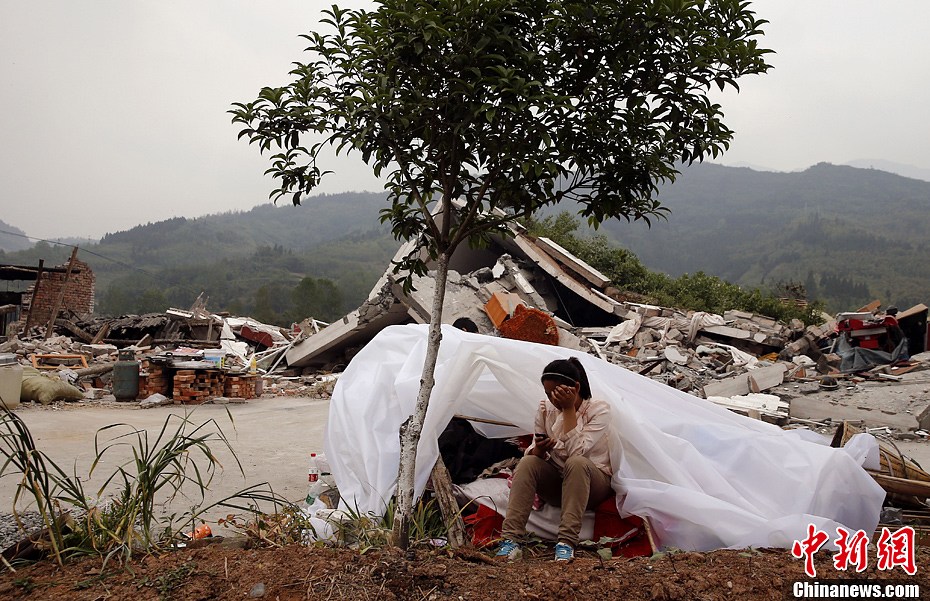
x=114, y=112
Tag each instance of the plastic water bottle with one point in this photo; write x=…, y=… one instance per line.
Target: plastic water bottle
x=313, y=480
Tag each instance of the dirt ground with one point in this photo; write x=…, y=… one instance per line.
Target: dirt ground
x=292, y=573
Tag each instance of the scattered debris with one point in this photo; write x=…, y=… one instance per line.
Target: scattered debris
x=518, y=287
x=533, y=289
x=184, y=356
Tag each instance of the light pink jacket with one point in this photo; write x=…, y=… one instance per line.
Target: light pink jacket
x=590, y=437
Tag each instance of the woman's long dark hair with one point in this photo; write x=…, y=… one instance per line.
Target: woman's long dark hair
x=568, y=371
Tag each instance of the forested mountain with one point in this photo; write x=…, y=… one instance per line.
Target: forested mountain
x=848, y=235
x=12, y=238
x=246, y=262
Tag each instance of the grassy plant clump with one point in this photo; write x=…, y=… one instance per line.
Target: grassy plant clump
x=121, y=518
x=364, y=531
x=40, y=478
x=179, y=455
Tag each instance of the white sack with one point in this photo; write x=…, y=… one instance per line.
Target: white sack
x=624, y=332
x=706, y=477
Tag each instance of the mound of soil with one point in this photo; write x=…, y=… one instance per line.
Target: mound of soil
x=292, y=573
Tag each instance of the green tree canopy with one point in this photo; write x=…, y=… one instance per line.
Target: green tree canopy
x=316, y=297
x=508, y=105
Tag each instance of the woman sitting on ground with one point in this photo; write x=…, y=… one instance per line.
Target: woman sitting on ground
x=567, y=465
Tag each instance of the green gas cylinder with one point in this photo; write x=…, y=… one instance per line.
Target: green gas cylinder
x=126, y=377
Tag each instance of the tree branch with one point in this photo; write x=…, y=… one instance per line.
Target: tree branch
x=473, y=209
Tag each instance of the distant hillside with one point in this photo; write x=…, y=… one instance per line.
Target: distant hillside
x=892, y=167
x=235, y=257
x=14, y=240
x=848, y=234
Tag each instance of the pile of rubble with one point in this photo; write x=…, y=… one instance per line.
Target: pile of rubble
x=188, y=357
x=734, y=359
x=737, y=359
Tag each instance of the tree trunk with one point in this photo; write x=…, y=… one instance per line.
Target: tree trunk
x=411, y=429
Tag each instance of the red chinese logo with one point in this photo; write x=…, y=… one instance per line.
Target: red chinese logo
x=807, y=547
x=897, y=549
x=852, y=550
x=894, y=549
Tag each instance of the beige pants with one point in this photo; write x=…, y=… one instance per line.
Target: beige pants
x=581, y=486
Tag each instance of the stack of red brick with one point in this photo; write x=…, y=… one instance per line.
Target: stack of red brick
x=242, y=387
x=153, y=379
x=193, y=388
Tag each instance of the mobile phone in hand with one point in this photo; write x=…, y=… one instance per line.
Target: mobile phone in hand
x=541, y=436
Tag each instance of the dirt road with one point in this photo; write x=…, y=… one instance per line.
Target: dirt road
x=272, y=437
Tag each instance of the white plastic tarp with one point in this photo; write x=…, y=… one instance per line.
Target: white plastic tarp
x=706, y=477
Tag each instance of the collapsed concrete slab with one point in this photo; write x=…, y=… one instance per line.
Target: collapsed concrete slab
x=354, y=330
x=521, y=269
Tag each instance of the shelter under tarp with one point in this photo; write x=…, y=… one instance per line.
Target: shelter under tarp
x=855, y=358
x=706, y=477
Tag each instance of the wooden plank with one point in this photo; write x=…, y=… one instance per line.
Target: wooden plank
x=871, y=307
x=572, y=262
x=900, y=370
x=915, y=310
x=442, y=487
x=101, y=334
x=35, y=292
x=61, y=296
x=482, y=420
x=99, y=370
x=74, y=329
x=902, y=486
x=650, y=535
x=37, y=360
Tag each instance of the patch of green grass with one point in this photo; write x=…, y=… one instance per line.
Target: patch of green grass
x=26, y=583
x=169, y=582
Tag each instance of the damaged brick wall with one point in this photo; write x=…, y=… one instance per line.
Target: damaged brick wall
x=79, y=293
